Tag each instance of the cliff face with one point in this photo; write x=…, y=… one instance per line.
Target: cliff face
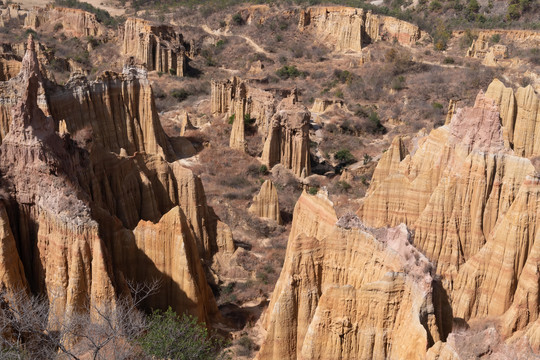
x=351, y=29
x=266, y=203
x=158, y=47
x=287, y=141
x=63, y=257
x=520, y=116
x=235, y=95
x=347, y=293
x=118, y=109
x=473, y=204
x=78, y=215
x=75, y=22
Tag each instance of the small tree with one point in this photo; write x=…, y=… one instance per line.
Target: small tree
x=344, y=156
x=170, y=336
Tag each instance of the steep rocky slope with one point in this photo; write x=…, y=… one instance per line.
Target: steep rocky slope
x=266, y=202
x=81, y=215
x=348, y=28
x=349, y=293
x=473, y=203
x=158, y=47
x=74, y=22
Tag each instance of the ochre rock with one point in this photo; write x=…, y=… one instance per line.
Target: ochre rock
x=238, y=140
x=158, y=47
x=321, y=105
x=287, y=141
x=345, y=293
x=117, y=109
x=75, y=22
x=520, y=114
x=63, y=257
x=81, y=215
x=389, y=162
x=265, y=203
x=350, y=29
x=236, y=95
x=474, y=207
x=167, y=250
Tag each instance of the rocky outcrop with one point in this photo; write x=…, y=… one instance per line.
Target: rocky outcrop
x=63, y=257
x=349, y=294
x=80, y=215
x=158, y=47
x=265, y=203
x=118, y=110
x=350, y=29
x=230, y=96
x=474, y=207
x=287, y=142
x=520, y=116
x=321, y=105
x=9, y=67
x=74, y=22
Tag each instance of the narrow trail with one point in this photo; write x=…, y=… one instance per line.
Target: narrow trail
x=252, y=43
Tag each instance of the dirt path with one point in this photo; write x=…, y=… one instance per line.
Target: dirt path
x=252, y=43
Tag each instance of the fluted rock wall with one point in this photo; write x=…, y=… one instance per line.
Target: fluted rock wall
x=473, y=204
x=266, y=203
x=119, y=109
x=158, y=47
x=75, y=22
x=345, y=293
x=350, y=29
x=63, y=257
x=520, y=115
x=230, y=95
x=82, y=219
x=287, y=142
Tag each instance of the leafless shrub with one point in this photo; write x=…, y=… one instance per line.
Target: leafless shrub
x=32, y=328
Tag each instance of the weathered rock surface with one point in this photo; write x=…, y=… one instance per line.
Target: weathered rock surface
x=474, y=207
x=235, y=95
x=74, y=22
x=350, y=29
x=346, y=293
x=118, y=110
x=287, y=141
x=158, y=47
x=265, y=203
x=520, y=115
x=81, y=215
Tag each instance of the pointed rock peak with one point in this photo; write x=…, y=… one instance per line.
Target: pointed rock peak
x=30, y=64
x=478, y=127
x=27, y=111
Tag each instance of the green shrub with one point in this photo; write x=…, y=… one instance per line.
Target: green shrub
x=367, y=159
x=237, y=19
x=343, y=186
x=344, y=156
x=220, y=43
x=170, y=336
x=248, y=120
x=398, y=83
x=496, y=38
x=263, y=170
x=448, y=60
x=172, y=72
x=180, y=94
x=437, y=106
x=288, y=71
x=231, y=119
x=313, y=190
